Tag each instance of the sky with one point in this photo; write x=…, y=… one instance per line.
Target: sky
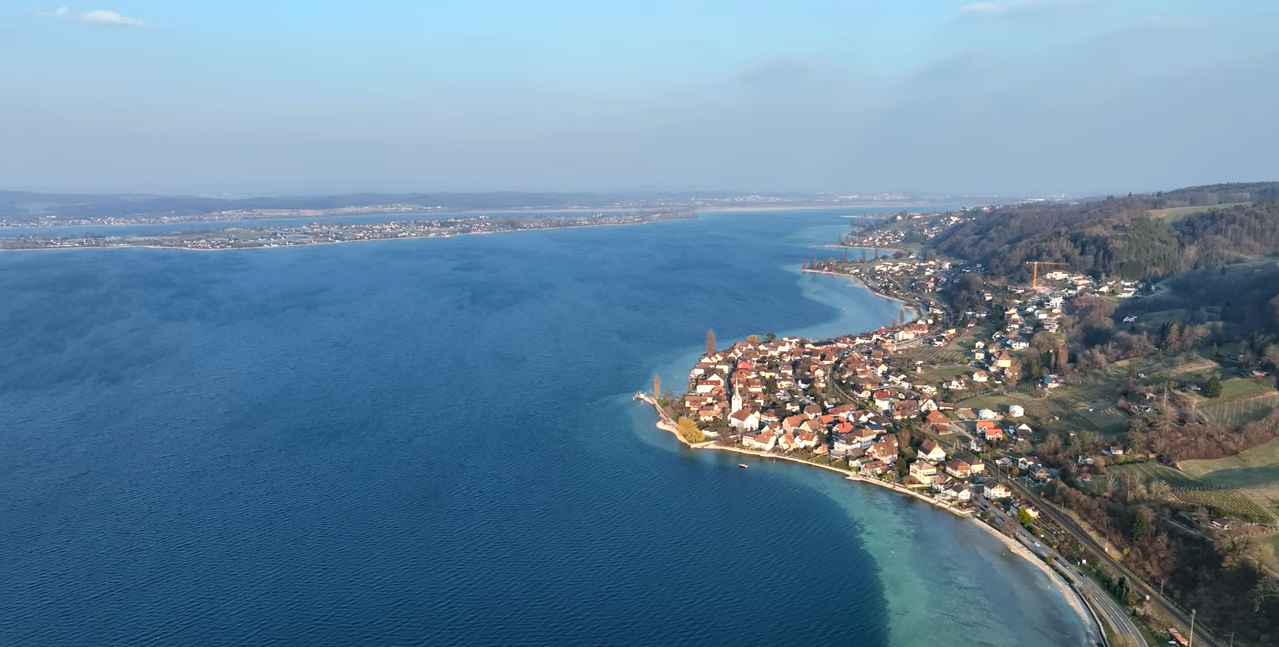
x=1021, y=97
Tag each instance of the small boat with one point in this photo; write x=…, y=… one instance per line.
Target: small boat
x=742, y=465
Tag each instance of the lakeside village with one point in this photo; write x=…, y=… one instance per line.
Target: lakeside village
x=781, y=396
x=853, y=402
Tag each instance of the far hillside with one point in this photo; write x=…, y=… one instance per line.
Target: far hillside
x=1136, y=237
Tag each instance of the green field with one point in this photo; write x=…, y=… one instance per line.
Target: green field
x=1243, y=485
x=1256, y=466
x=1221, y=499
x=1230, y=503
x=1183, y=315
x=1173, y=215
x=1242, y=401
x=1146, y=472
x=944, y=372
x=948, y=354
x=1236, y=413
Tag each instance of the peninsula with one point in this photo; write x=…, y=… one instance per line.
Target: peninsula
x=322, y=233
x=1095, y=380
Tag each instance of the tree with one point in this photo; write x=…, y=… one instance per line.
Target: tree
x=689, y=431
x=657, y=386
x=1033, y=366
x=710, y=342
x=1160, y=490
x=1141, y=525
x=1213, y=388
x=1024, y=516
x=752, y=339
x=1271, y=356
x=770, y=336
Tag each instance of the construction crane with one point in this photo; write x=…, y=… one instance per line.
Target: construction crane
x=1034, y=282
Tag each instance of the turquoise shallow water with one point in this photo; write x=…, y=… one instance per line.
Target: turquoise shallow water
x=431, y=443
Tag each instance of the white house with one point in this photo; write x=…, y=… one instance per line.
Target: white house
x=994, y=491
x=745, y=420
x=763, y=441
x=931, y=451
x=1016, y=411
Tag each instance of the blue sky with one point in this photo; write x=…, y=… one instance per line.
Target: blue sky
x=272, y=96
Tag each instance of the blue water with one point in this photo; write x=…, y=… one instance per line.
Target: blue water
x=431, y=442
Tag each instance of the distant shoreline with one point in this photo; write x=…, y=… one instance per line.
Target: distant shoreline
x=789, y=207
x=296, y=215
x=328, y=242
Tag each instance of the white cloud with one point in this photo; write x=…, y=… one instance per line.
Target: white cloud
x=1021, y=7
x=100, y=16
x=111, y=18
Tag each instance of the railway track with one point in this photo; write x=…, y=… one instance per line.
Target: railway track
x=1201, y=635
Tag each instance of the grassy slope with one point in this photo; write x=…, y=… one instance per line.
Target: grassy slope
x=1173, y=215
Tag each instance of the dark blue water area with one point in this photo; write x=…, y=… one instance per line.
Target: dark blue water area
x=431, y=442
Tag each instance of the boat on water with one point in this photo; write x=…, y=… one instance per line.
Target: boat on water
x=742, y=465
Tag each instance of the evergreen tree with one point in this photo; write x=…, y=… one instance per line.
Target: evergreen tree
x=710, y=342
x=1213, y=388
x=657, y=386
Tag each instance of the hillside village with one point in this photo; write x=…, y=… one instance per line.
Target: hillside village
x=1060, y=391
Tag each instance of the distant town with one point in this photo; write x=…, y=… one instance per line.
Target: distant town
x=322, y=233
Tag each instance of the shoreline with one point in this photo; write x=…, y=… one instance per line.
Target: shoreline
x=330, y=242
x=1073, y=598
x=882, y=249
x=665, y=424
x=906, y=305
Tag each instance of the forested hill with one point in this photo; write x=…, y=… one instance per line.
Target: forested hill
x=1133, y=237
